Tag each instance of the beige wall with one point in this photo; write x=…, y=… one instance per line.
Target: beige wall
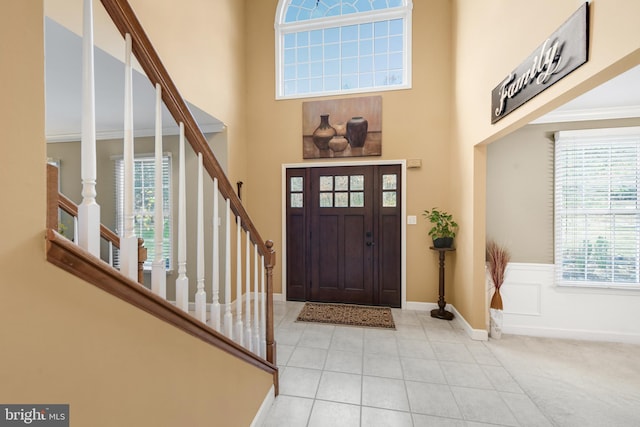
x=64, y=341
x=415, y=124
x=202, y=43
x=520, y=188
x=490, y=39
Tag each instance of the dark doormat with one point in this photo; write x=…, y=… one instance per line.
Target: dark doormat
x=347, y=314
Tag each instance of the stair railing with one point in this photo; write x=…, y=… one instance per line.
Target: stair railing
x=250, y=338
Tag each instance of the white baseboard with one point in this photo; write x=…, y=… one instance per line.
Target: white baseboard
x=278, y=297
x=261, y=416
x=573, y=334
x=474, y=334
x=421, y=306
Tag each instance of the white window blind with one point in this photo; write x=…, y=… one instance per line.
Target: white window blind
x=144, y=194
x=328, y=47
x=597, y=217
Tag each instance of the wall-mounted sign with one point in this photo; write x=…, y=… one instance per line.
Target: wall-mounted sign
x=559, y=55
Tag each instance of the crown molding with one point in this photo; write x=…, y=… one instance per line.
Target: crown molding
x=139, y=133
x=582, y=115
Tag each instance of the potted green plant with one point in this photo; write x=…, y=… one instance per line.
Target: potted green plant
x=444, y=227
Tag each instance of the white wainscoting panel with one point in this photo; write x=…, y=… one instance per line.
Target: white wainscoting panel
x=533, y=305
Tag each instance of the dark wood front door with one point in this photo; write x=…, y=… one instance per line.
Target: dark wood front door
x=343, y=234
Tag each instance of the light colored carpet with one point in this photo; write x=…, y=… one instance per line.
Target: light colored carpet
x=346, y=314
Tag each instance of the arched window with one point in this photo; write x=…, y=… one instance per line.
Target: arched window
x=326, y=47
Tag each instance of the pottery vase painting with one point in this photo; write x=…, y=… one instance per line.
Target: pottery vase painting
x=338, y=144
x=323, y=133
x=350, y=127
x=357, y=131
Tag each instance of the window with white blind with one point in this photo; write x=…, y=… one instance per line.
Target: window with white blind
x=326, y=47
x=144, y=195
x=597, y=216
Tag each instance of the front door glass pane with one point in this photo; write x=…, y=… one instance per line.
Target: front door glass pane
x=388, y=199
x=357, y=199
x=296, y=183
x=296, y=200
x=326, y=200
x=357, y=182
x=342, y=200
x=326, y=183
x=389, y=181
x=342, y=183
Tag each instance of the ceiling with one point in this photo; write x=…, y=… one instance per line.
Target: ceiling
x=63, y=89
x=617, y=98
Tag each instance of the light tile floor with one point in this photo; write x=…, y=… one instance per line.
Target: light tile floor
x=429, y=373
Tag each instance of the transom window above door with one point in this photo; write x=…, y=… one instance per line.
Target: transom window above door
x=326, y=47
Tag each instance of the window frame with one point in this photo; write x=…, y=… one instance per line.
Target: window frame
x=167, y=213
x=606, y=138
x=282, y=28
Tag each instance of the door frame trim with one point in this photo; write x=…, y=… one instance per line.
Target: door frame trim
x=403, y=215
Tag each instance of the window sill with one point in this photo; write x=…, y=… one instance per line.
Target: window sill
x=336, y=93
x=598, y=288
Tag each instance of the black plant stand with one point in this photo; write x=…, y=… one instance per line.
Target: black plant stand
x=440, y=312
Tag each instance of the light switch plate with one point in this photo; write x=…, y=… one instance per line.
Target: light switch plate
x=412, y=220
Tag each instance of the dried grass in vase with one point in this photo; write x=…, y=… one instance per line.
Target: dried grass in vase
x=499, y=257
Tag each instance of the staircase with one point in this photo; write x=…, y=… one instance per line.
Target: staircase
x=236, y=319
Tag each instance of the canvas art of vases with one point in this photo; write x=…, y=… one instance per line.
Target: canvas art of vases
x=348, y=127
x=353, y=133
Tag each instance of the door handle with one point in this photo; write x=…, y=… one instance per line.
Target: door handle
x=371, y=244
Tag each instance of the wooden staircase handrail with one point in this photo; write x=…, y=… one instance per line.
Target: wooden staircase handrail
x=56, y=200
x=126, y=21
x=72, y=258
x=71, y=208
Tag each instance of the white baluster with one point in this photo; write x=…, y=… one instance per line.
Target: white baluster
x=247, y=292
x=239, y=331
x=75, y=230
x=263, y=311
x=182, y=282
x=89, y=210
x=201, y=295
x=256, y=303
x=228, y=318
x=128, y=241
x=111, y=254
x=215, y=276
x=158, y=266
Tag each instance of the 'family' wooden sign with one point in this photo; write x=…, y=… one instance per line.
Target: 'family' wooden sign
x=563, y=52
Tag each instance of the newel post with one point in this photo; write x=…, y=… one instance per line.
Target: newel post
x=52, y=197
x=270, y=263
x=142, y=257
